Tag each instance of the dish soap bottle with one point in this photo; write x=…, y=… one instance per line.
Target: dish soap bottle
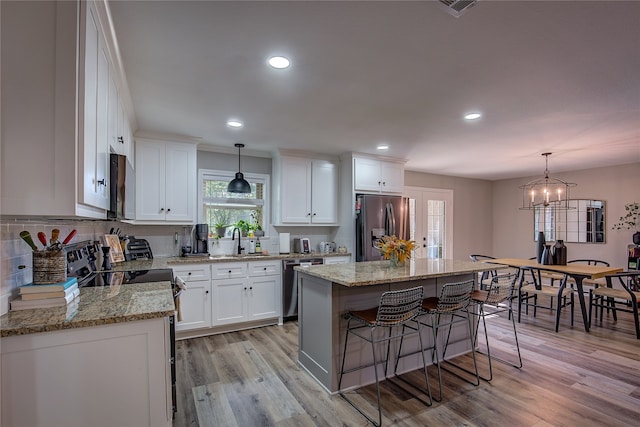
x=258, y=247
x=252, y=246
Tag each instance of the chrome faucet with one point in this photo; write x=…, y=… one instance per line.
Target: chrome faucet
x=233, y=237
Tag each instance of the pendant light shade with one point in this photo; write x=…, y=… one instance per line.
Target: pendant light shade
x=239, y=184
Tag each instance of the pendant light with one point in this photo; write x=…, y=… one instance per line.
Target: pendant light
x=546, y=192
x=239, y=184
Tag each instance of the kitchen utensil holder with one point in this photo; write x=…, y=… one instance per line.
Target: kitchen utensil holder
x=49, y=267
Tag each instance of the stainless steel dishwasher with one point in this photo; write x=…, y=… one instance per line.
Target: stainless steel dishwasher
x=290, y=285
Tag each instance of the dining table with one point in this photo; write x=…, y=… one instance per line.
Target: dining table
x=577, y=271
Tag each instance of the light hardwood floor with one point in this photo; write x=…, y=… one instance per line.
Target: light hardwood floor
x=251, y=378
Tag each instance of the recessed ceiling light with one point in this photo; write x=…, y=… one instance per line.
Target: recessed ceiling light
x=279, y=62
x=472, y=116
x=234, y=123
x=383, y=146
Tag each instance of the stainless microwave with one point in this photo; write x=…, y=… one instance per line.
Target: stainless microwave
x=122, y=190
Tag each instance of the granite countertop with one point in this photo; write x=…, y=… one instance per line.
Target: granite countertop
x=179, y=260
x=378, y=272
x=95, y=306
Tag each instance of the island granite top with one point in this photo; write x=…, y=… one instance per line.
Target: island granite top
x=100, y=305
x=379, y=272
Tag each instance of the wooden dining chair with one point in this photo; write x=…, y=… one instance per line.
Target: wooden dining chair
x=528, y=293
x=622, y=286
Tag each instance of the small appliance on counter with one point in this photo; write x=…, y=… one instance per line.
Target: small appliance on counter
x=285, y=243
x=200, y=245
x=302, y=245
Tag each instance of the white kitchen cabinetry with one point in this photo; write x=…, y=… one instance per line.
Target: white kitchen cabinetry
x=107, y=375
x=195, y=301
x=308, y=191
x=337, y=260
x=165, y=182
x=120, y=136
x=244, y=292
x=55, y=107
x=378, y=176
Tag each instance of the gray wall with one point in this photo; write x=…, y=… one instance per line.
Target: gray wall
x=616, y=185
x=472, y=210
x=229, y=162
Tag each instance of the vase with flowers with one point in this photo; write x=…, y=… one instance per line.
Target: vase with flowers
x=630, y=221
x=398, y=251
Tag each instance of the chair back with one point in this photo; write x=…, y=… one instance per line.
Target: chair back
x=629, y=280
x=502, y=288
x=397, y=307
x=454, y=297
x=485, y=274
x=590, y=262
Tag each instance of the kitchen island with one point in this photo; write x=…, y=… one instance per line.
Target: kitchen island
x=327, y=292
x=102, y=360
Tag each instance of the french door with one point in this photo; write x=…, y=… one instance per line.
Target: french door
x=431, y=218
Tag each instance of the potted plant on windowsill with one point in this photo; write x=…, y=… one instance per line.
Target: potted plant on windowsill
x=244, y=227
x=631, y=221
x=221, y=218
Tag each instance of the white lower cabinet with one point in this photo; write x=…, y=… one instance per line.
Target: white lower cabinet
x=106, y=375
x=195, y=301
x=246, y=291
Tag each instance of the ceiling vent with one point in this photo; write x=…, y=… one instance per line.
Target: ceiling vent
x=457, y=7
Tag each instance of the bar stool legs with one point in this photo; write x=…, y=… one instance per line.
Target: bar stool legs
x=397, y=309
x=500, y=292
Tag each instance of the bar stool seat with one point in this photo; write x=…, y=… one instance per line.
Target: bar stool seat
x=453, y=303
x=397, y=309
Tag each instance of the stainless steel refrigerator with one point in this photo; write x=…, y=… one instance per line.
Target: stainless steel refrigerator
x=378, y=216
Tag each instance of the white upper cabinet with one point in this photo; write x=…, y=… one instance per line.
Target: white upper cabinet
x=377, y=176
x=308, y=191
x=57, y=114
x=165, y=182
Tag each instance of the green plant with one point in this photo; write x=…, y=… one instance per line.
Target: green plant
x=244, y=226
x=631, y=220
x=221, y=218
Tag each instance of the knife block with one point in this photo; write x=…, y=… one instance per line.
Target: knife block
x=49, y=267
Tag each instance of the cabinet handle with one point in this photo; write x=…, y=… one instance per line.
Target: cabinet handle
x=161, y=209
x=121, y=139
x=169, y=210
x=250, y=288
x=245, y=288
x=206, y=292
x=189, y=273
x=314, y=214
x=229, y=271
x=308, y=213
x=265, y=269
x=379, y=182
x=384, y=184
x=102, y=182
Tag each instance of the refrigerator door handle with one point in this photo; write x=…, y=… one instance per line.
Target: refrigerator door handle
x=393, y=220
x=387, y=220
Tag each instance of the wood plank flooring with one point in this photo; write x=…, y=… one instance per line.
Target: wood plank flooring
x=251, y=378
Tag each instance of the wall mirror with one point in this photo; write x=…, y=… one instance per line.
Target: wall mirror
x=583, y=223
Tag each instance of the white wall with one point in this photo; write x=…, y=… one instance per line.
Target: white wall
x=616, y=185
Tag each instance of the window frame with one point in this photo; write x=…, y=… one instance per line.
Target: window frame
x=265, y=179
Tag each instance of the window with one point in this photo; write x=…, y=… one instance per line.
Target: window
x=221, y=209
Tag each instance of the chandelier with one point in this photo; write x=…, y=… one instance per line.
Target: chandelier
x=546, y=192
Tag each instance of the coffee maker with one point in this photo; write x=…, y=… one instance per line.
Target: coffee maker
x=201, y=239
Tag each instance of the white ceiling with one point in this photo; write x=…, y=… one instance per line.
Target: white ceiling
x=559, y=76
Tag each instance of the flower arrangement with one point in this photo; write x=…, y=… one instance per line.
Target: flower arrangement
x=394, y=249
x=631, y=221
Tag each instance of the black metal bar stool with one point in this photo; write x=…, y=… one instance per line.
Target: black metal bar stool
x=497, y=298
x=396, y=309
x=453, y=303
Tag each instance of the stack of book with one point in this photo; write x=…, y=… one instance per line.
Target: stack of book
x=45, y=296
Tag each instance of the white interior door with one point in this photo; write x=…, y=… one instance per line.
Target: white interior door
x=431, y=217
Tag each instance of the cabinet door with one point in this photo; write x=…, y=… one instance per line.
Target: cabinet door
x=180, y=172
x=324, y=192
x=295, y=197
x=265, y=268
x=112, y=121
x=229, y=301
x=195, y=305
x=366, y=174
x=95, y=145
x=150, y=181
x=392, y=175
x=264, y=297
x=229, y=270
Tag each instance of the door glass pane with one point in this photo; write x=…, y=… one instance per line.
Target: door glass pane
x=436, y=229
